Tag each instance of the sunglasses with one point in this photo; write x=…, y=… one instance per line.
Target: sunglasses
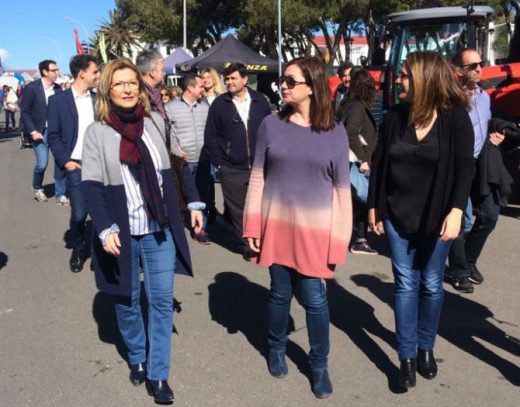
x=473, y=66
x=164, y=94
x=401, y=75
x=290, y=82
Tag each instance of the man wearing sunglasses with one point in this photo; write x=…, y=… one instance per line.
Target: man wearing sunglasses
x=230, y=138
x=466, y=249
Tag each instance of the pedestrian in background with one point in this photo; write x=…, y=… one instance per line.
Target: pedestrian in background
x=70, y=113
x=35, y=98
x=230, y=139
x=421, y=176
x=298, y=214
x=10, y=106
x=166, y=94
x=355, y=114
x=130, y=195
x=212, y=83
x=187, y=117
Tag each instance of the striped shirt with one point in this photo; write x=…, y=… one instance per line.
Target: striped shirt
x=138, y=219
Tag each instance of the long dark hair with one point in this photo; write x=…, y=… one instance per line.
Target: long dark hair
x=362, y=87
x=321, y=111
x=434, y=87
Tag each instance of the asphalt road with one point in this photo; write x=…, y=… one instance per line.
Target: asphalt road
x=59, y=345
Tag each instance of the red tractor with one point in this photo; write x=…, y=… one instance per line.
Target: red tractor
x=446, y=30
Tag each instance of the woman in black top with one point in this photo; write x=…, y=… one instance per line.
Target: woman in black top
x=421, y=176
x=362, y=135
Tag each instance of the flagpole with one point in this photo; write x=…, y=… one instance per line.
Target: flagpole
x=84, y=29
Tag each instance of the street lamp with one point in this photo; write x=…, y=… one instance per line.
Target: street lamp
x=184, y=26
x=84, y=29
x=279, y=38
x=57, y=44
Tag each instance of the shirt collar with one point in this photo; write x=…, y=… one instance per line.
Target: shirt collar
x=246, y=99
x=191, y=105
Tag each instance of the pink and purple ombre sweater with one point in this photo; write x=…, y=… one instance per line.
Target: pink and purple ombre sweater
x=298, y=202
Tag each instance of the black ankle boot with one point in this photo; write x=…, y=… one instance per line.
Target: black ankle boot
x=426, y=365
x=160, y=391
x=138, y=374
x=407, y=373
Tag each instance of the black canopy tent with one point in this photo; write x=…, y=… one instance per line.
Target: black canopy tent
x=227, y=51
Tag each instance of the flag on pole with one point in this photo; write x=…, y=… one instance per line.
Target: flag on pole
x=103, y=47
x=79, y=47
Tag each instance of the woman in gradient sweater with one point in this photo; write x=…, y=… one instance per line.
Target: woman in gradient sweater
x=298, y=212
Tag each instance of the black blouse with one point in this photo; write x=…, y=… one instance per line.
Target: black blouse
x=411, y=169
x=454, y=169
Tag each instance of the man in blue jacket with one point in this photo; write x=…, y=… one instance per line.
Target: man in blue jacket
x=35, y=97
x=230, y=138
x=70, y=113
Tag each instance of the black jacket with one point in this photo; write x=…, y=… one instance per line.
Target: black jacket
x=225, y=136
x=455, y=168
x=34, y=106
x=358, y=120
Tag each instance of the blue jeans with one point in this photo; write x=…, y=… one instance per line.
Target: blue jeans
x=78, y=210
x=157, y=253
x=9, y=117
x=312, y=294
x=41, y=152
x=418, y=261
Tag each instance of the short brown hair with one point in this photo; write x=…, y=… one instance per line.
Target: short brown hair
x=321, y=111
x=434, y=86
x=105, y=81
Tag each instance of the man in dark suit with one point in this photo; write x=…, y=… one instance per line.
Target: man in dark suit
x=34, y=118
x=70, y=113
x=230, y=138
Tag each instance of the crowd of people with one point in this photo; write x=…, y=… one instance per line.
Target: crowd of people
x=141, y=160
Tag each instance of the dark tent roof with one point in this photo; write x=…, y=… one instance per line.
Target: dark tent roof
x=227, y=51
x=176, y=57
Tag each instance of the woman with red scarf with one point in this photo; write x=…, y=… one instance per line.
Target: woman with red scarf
x=131, y=198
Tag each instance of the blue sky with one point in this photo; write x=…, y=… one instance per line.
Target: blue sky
x=34, y=30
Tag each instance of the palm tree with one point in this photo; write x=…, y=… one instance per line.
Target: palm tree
x=115, y=38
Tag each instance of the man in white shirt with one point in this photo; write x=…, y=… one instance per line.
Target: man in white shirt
x=35, y=98
x=230, y=138
x=70, y=113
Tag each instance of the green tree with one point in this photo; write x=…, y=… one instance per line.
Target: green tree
x=115, y=38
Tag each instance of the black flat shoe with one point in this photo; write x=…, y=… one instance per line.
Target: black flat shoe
x=160, y=391
x=426, y=364
x=407, y=373
x=76, y=260
x=137, y=374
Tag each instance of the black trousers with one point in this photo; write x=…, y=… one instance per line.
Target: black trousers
x=234, y=184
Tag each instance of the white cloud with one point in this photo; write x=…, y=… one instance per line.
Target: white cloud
x=4, y=54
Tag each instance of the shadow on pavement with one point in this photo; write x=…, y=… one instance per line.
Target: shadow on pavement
x=463, y=321
x=356, y=318
x=240, y=305
x=103, y=311
x=3, y=260
x=222, y=234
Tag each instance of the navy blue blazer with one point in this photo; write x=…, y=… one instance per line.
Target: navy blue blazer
x=62, y=132
x=225, y=136
x=34, y=106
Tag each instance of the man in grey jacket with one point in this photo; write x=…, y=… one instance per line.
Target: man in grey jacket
x=187, y=117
